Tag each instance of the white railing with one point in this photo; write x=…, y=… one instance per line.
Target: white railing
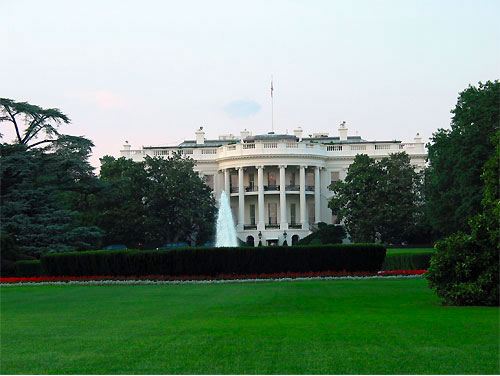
x=358, y=147
x=282, y=148
x=334, y=148
x=208, y=151
x=270, y=145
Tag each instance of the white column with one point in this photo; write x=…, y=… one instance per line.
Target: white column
x=261, y=224
x=303, y=212
x=226, y=182
x=241, y=200
x=317, y=195
x=283, y=219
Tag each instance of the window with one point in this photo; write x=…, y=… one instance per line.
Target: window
x=310, y=210
x=251, y=180
x=209, y=180
x=292, y=178
x=293, y=218
x=335, y=177
x=273, y=216
x=335, y=220
x=233, y=183
x=310, y=179
x=252, y=215
x=271, y=178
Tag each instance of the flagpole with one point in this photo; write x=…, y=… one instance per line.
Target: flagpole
x=272, y=106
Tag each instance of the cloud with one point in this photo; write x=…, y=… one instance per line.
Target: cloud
x=242, y=108
x=104, y=99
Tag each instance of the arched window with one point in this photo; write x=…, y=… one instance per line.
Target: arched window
x=295, y=239
x=250, y=241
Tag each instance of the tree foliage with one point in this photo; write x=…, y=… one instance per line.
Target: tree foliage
x=33, y=124
x=119, y=209
x=154, y=202
x=325, y=234
x=179, y=203
x=456, y=158
x=465, y=268
x=33, y=182
x=380, y=199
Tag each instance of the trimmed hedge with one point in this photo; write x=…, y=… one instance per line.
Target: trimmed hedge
x=212, y=261
x=407, y=261
x=28, y=268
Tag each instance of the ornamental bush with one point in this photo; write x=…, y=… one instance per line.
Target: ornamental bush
x=28, y=268
x=326, y=234
x=211, y=261
x=407, y=261
x=465, y=268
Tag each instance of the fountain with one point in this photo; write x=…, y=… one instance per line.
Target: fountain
x=226, y=233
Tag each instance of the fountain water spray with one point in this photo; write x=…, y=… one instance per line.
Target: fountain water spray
x=226, y=233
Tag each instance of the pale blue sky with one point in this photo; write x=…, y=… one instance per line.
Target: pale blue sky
x=152, y=72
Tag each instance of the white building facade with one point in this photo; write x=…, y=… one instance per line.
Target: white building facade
x=278, y=183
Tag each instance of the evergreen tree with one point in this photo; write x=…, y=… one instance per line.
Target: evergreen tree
x=456, y=158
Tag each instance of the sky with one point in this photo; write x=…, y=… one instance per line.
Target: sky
x=153, y=72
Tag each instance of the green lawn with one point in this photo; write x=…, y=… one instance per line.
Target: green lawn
x=326, y=327
x=395, y=251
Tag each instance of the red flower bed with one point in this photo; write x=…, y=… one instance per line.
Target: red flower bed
x=206, y=277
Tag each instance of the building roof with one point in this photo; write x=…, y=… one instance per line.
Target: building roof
x=271, y=136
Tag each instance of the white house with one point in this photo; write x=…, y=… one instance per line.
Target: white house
x=278, y=183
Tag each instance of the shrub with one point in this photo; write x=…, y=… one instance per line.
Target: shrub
x=407, y=261
x=213, y=261
x=465, y=268
x=9, y=254
x=28, y=268
x=326, y=234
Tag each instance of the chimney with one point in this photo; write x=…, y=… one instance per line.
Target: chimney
x=126, y=150
x=343, y=131
x=298, y=132
x=244, y=134
x=200, y=136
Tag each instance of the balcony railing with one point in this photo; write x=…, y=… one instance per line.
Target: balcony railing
x=251, y=188
x=292, y=188
x=295, y=225
x=310, y=188
x=234, y=189
x=272, y=225
x=271, y=188
x=249, y=227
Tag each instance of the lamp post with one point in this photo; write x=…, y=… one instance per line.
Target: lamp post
x=260, y=238
x=284, y=236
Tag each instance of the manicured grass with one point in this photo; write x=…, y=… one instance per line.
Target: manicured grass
x=395, y=251
x=325, y=327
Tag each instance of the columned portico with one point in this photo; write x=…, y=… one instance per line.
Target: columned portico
x=303, y=214
x=284, y=219
x=317, y=195
x=226, y=182
x=241, y=200
x=260, y=184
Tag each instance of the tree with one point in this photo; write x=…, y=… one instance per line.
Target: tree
x=355, y=199
x=456, y=157
x=31, y=122
x=119, y=207
x=179, y=204
x=379, y=199
x=33, y=210
x=465, y=268
x=40, y=174
x=400, y=214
